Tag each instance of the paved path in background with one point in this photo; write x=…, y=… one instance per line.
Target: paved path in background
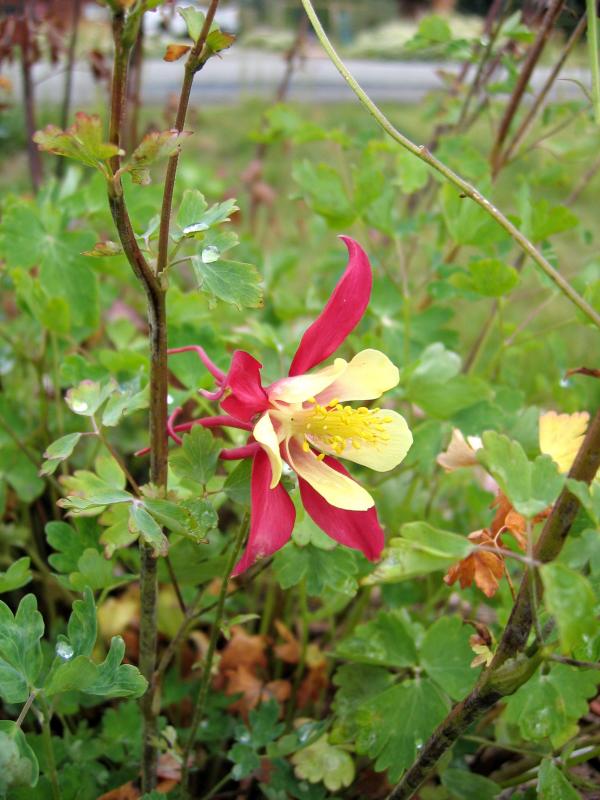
x=249, y=73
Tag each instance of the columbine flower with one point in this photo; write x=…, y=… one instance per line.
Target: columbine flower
x=304, y=421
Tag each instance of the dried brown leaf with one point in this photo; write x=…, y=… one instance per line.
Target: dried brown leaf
x=483, y=568
x=175, y=51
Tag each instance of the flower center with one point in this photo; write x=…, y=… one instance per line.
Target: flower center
x=339, y=427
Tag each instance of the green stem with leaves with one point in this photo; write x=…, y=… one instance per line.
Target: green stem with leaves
x=511, y=667
x=592, y=13
x=466, y=189
x=192, y=65
x=46, y=716
x=210, y=654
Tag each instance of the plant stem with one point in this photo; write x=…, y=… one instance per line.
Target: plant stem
x=539, y=100
x=25, y=709
x=510, y=667
x=192, y=66
x=156, y=305
x=210, y=654
x=68, y=89
x=48, y=749
x=422, y=152
x=33, y=154
x=592, y=13
x=525, y=73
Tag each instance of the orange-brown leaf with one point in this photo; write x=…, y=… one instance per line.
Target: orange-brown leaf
x=290, y=650
x=243, y=649
x=242, y=681
x=175, y=51
x=483, y=568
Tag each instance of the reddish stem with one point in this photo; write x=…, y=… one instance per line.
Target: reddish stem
x=202, y=355
x=237, y=453
x=171, y=423
x=222, y=421
x=215, y=422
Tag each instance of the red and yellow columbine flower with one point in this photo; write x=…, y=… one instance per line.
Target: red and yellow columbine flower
x=305, y=421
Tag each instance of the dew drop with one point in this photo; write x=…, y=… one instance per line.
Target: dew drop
x=210, y=253
x=79, y=406
x=64, y=650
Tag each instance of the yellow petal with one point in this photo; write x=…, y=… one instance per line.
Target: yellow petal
x=368, y=376
x=378, y=455
x=460, y=452
x=302, y=387
x=339, y=490
x=265, y=435
x=561, y=436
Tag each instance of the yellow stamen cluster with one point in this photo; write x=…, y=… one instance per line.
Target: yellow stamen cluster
x=339, y=427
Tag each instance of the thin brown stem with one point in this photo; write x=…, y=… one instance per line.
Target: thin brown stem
x=532, y=59
x=68, y=88
x=156, y=304
x=537, y=104
x=33, y=154
x=210, y=653
x=192, y=65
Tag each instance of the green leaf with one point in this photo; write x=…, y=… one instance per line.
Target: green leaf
x=114, y=679
x=117, y=534
x=82, y=626
x=324, y=191
x=384, y=641
x=121, y=404
x=92, y=570
x=20, y=473
x=83, y=141
x=465, y=785
x=467, y=223
x=88, y=491
x=87, y=398
x=356, y=683
x=547, y=220
x=413, y=173
x=17, y=575
x=323, y=570
x=197, y=457
x=393, y=725
x=446, y=655
x=58, y=451
x=551, y=703
x=216, y=42
x=237, y=484
x=530, y=486
x=18, y=762
x=324, y=762
x=489, y=277
x=69, y=676
x=435, y=29
x=422, y=549
x=233, y=282
x=191, y=518
x=215, y=215
x=20, y=651
x=245, y=760
x=570, y=598
x=264, y=725
x=70, y=543
x=553, y=784
x=153, y=147
x=140, y=520
x=104, y=249
x=194, y=21
x=193, y=205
